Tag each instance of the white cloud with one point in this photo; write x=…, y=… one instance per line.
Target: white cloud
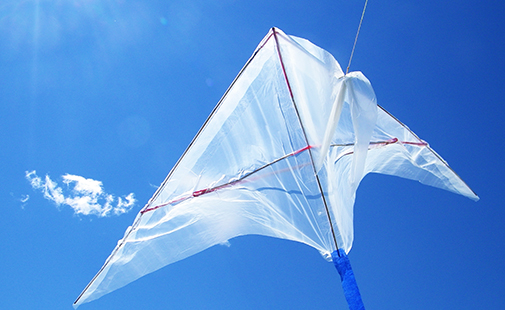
x=85, y=196
x=83, y=185
x=24, y=198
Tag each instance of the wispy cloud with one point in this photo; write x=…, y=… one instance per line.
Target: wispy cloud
x=85, y=196
x=24, y=198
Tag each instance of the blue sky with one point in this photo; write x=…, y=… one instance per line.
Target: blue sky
x=101, y=97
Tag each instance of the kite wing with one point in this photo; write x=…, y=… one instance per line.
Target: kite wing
x=281, y=155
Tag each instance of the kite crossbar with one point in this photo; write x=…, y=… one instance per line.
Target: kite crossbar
x=204, y=191
x=208, y=190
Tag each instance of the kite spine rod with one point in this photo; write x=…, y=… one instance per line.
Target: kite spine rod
x=304, y=135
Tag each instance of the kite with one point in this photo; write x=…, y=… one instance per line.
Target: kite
x=281, y=155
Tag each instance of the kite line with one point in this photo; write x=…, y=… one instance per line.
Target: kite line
x=356, y=39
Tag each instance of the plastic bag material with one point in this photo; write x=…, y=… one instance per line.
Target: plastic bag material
x=281, y=155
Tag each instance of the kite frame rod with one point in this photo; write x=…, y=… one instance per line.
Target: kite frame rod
x=218, y=105
x=304, y=135
x=212, y=189
x=207, y=190
x=427, y=145
x=158, y=191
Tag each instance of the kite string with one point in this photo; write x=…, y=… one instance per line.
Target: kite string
x=356, y=39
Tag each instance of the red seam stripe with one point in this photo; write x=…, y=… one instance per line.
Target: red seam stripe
x=204, y=191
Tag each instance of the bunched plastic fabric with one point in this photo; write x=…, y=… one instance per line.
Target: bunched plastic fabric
x=281, y=155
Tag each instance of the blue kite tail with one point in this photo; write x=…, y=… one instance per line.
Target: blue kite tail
x=351, y=291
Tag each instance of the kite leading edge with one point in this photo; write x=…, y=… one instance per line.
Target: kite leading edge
x=317, y=133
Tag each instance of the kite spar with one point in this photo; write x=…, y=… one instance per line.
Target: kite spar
x=281, y=155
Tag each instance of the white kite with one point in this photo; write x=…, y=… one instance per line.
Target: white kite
x=281, y=155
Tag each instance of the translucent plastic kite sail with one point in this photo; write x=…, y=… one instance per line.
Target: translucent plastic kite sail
x=281, y=155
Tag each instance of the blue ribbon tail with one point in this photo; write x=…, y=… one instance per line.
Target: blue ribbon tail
x=351, y=291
